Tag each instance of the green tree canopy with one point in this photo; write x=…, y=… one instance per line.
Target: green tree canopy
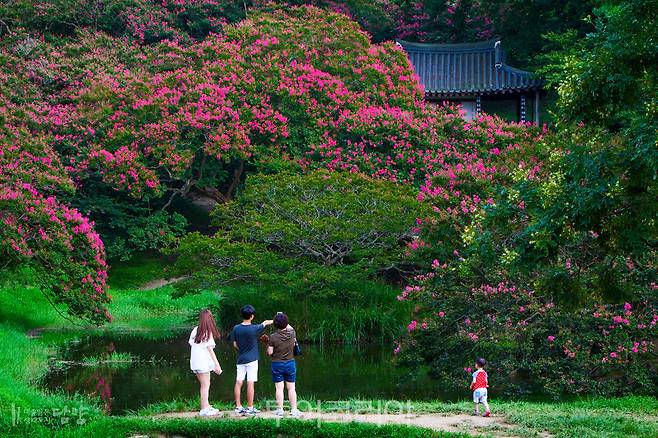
x=332, y=218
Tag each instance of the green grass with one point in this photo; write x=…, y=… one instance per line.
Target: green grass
x=23, y=362
x=138, y=271
x=370, y=317
x=599, y=417
x=23, y=304
x=132, y=310
x=155, y=310
x=596, y=417
x=253, y=428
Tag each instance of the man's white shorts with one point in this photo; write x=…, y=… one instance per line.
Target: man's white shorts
x=480, y=395
x=248, y=370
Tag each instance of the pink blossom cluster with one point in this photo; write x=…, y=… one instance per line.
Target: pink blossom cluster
x=408, y=290
x=291, y=83
x=39, y=231
x=430, y=21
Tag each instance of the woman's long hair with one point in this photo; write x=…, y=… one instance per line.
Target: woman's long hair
x=206, y=327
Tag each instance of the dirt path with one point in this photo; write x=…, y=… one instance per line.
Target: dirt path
x=159, y=282
x=494, y=426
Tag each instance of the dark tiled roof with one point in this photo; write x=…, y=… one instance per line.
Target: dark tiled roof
x=472, y=68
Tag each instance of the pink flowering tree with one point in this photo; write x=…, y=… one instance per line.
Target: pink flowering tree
x=139, y=127
x=39, y=231
x=549, y=281
x=296, y=88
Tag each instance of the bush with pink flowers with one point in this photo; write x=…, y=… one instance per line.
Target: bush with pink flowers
x=549, y=280
x=532, y=344
x=39, y=231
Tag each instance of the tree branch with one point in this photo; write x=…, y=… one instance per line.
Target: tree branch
x=5, y=25
x=183, y=191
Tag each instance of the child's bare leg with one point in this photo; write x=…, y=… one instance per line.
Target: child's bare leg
x=486, y=405
x=475, y=407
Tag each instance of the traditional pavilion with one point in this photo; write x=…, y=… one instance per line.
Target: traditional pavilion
x=476, y=76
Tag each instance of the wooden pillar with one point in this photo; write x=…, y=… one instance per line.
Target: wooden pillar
x=522, y=108
x=537, y=107
x=478, y=105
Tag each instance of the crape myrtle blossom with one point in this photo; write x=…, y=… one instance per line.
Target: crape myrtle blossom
x=37, y=230
x=298, y=84
x=561, y=342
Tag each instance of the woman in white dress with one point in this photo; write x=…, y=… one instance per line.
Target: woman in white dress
x=203, y=359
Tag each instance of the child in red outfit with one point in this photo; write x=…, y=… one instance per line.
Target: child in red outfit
x=479, y=386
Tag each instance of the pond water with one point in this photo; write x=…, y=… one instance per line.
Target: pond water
x=158, y=370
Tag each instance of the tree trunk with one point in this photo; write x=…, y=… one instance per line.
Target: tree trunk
x=237, y=176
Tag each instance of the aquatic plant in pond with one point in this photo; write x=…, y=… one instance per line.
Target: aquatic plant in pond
x=114, y=359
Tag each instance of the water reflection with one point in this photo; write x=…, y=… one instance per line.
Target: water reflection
x=159, y=371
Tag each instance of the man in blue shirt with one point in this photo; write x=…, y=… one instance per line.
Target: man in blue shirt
x=245, y=340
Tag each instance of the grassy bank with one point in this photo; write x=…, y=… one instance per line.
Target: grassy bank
x=24, y=360
x=115, y=427
x=127, y=275
x=373, y=314
x=595, y=417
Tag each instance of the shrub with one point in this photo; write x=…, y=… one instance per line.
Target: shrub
x=328, y=303
x=553, y=279
x=531, y=344
x=330, y=218
x=308, y=243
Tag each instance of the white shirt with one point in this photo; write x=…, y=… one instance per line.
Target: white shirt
x=200, y=359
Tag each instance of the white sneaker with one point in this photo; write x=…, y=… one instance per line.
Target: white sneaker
x=296, y=414
x=240, y=411
x=279, y=412
x=252, y=411
x=208, y=412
